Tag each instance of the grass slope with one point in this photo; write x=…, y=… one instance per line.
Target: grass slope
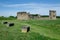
x=40, y=30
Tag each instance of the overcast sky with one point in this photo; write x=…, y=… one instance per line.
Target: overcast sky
x=42, y=7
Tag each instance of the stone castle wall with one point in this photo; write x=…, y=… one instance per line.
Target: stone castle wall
x=27, y=16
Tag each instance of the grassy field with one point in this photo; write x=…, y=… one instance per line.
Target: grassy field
x=40, y=30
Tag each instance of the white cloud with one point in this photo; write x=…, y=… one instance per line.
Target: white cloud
x=42, y=9
x=31, y=5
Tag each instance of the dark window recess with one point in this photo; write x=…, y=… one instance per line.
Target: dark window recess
x=5, y=22
x=28, y=29
x=53, y=15
x=11, y=24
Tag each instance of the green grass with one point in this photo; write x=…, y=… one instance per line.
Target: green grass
x=40, y=30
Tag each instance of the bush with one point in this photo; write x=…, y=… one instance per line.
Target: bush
x=7, y=18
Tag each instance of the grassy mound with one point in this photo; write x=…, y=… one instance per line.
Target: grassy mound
x=40, y=30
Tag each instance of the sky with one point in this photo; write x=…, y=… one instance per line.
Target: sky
x=42, y=7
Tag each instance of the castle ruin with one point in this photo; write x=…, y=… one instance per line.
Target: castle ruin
x=28, y=16
x=22, y=16
x=52, y=14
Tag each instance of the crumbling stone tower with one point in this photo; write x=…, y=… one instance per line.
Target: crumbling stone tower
x=52, y=14
x=22, y=16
